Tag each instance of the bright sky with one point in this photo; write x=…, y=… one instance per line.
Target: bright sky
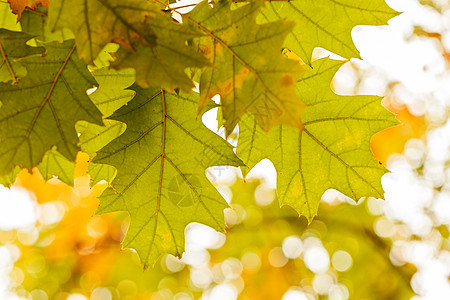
x=390, y=54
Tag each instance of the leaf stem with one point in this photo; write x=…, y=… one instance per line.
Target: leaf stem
x=8, y=64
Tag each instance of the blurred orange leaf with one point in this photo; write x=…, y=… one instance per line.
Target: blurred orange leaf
x=392, y=140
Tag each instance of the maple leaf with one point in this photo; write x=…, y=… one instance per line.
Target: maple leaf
x=41, y=110
x=161, y=161
x=99, y=172
x=36, y=22
x=98, y=22
x=332, y=151
x=111, y=93
x=13, y=47
x=55, y=164
x=249, y=71
x=94, y=137
x=8, y=20
x=326, y=23
x=105, y=57
x=18, y=6
x=151, y=41
x=163, y=64
x=8, y=179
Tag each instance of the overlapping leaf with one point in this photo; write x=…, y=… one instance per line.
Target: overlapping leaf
x=326, y=23
x=164, y=64
x=41, y=111
x=96, y=23
x=249, y=71
x=161, y=160
x=13, y=47
x=94, y=137
x=55, y=164
x=7, y=19
x=151, y=41
x=36, y=22
x=8, y=179
x=332, y=151
x=111, y=93
x=18, y=6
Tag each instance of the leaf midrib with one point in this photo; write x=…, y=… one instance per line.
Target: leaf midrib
x=214, y=37
x=39, y=109
x=339, y=159
x=8, y=65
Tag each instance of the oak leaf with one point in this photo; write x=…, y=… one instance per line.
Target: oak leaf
x=18, y=6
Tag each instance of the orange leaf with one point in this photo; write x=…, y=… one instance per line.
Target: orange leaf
x=393, y=139
x=18, y=6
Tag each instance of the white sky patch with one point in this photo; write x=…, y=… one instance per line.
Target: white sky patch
x=17, y=208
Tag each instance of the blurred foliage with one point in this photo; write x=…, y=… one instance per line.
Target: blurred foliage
x=393, y=140
x=267, y=251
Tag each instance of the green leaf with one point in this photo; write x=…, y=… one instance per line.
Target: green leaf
x=151, y=41
x=161, y=161
x=111, y=93
x=55, y=164
x=8, y=20
x=163, y=64
x=41, y=111
x=36, y=22
x=99, y=172
x=94, y=137
x=249, y=71
x=96, y=23
x=8, y=179
x=13, y=47
x=105, y=57
x=332, y=151
x=326, y=23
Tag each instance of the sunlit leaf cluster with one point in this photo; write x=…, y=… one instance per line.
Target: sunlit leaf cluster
x=116, y=79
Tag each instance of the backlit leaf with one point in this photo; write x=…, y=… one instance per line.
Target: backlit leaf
x=249, y=71
x=8, y=179
x=326, y=23
x=36, y=22
x=161, y=161
x=94, y=137
x=18, y=6
x=41, y=110
x=98, y=172
x=163, y=64
x=96, y=23
x=111, y=93
x=7, y=19
x=55, y=164
x=151, y=42
x=332, y=151
x=13, y=47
